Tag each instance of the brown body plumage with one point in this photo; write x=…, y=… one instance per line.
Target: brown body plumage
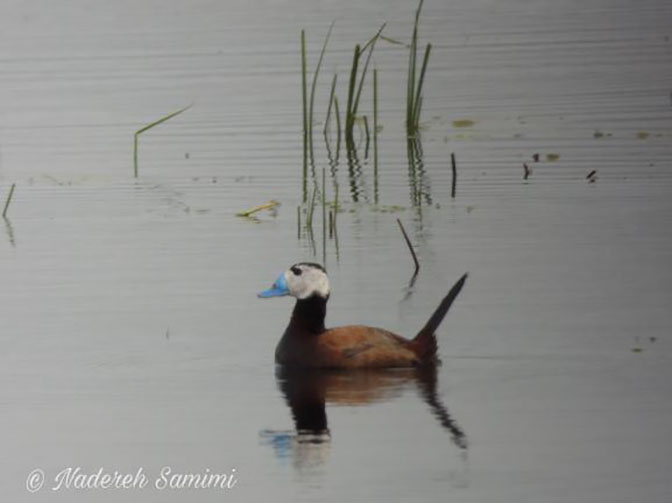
x=307, y=343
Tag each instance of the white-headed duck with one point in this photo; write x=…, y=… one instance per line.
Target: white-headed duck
x=307, y=343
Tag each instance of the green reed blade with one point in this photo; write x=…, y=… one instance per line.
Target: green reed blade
x=410, y=91
x=349, y=115
x=375, y=136
x=304, y=95
x=298, y=222
x=391, y=40
x=148, y=127
x=418, y=93
x=312, y=91
x=372, y=44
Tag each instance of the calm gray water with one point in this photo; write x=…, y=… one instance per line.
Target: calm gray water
x=131, y=334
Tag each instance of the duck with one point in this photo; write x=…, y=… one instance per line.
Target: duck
x=307, y=343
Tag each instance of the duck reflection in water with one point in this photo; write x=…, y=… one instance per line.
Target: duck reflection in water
x=308, y=392
x=348, y=365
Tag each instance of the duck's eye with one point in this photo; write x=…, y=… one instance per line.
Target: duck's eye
x=296, y=271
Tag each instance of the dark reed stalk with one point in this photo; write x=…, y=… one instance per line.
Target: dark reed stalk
x=312, y=92
x=349, y=115
x=8, y=200
x=454, y=168
x=413, y=93
x=305, y=115
x=137, y=134
x=10, y=232
x=591, y=174
x=375, y=136
x=331, y=102
x=331, y=224
x=336, y=245
x=418, y=94
x=527, y=171
x=410, y=247
x=410, y=85
x=298, y=222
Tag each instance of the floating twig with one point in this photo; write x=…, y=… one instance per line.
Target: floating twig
x=410, y=247
x=266, y=206
x=527, y=171
x=8, y=200
x=591, y=175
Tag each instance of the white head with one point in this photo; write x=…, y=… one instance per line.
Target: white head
x=302, y=280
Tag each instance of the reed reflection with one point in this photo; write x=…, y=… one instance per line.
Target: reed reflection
x=418, y=181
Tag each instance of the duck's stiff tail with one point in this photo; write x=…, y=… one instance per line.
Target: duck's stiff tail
x=424, y=344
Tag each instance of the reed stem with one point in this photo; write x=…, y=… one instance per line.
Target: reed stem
x=298, y=222
x=349, y=112
x=410, y=247
x=305, y=116
x=312, y=93
x=454, y=168
x=8, y=200
x=137, y=134
x=418, y=95
x=375, y=136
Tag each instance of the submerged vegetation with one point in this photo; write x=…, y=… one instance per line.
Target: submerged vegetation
x=353, y=118
x=414, y=89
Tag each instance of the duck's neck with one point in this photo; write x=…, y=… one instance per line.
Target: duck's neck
x=308, y=315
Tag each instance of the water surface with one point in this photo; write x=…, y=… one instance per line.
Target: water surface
x=131, y=333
